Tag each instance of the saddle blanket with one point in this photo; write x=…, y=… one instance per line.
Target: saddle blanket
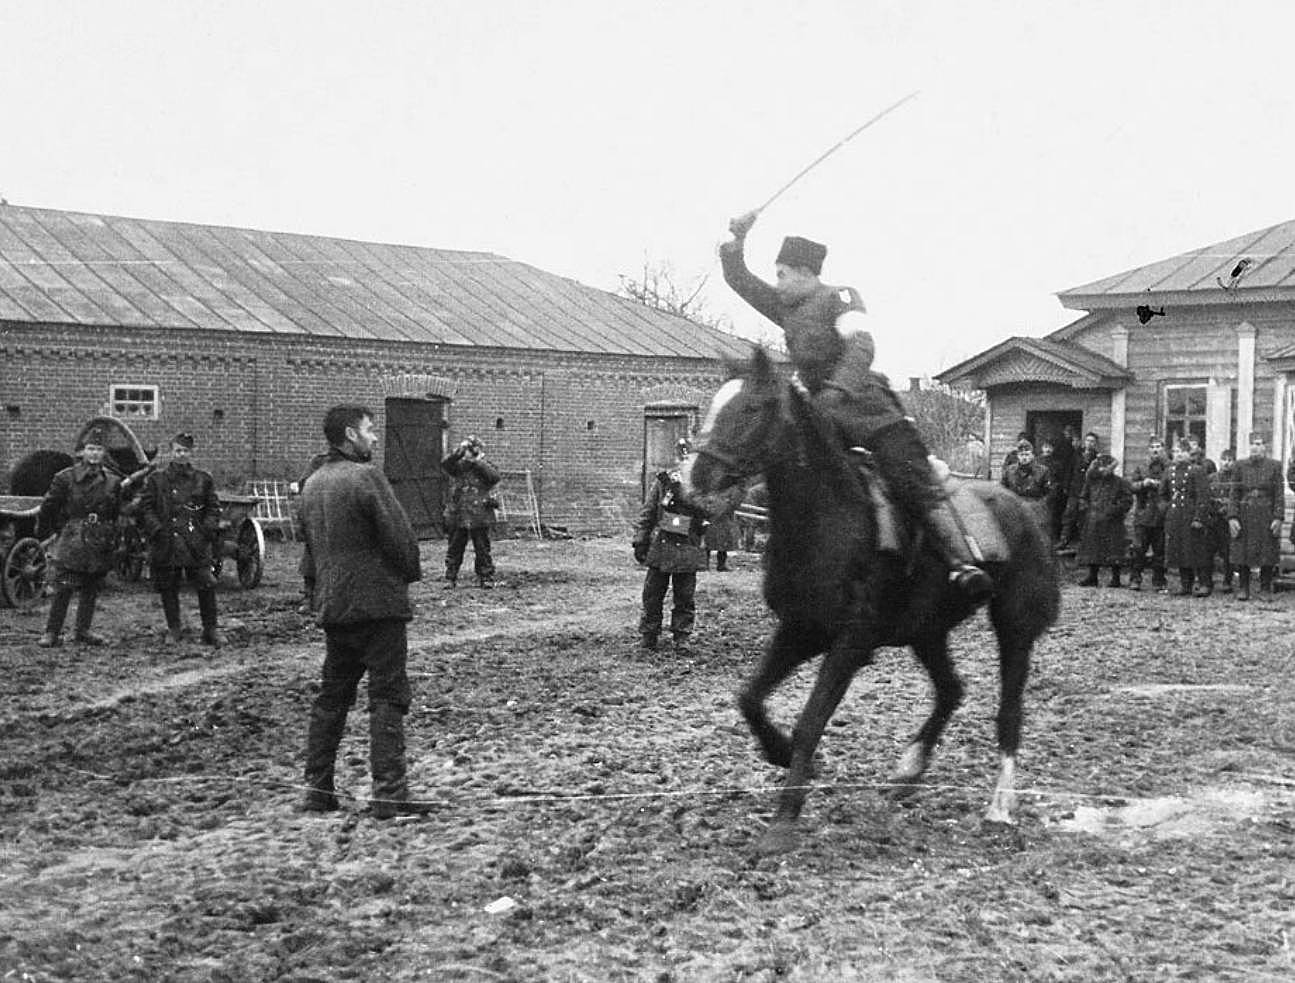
x=978, y=523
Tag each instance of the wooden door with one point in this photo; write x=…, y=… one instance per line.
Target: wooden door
x=415, y=441
x=660, y=434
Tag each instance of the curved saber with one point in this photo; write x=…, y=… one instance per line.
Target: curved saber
x=833, y=149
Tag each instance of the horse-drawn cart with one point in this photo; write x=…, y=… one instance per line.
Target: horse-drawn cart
x=22, y=555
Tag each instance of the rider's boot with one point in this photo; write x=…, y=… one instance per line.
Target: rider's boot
x=973, y=582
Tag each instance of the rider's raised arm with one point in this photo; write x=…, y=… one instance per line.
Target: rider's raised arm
x=760, y=295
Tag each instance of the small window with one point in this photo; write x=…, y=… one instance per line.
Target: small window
x=1185, y=413
x=134, y=402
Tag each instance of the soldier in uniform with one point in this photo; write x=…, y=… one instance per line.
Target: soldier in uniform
x=1185, y=491
x=668, y=540
x=81, y=508
x=1149, y=518
x=180, y=515
x=470, y=510
x=833, y=356
x=1031, y=480
x=1256, y=507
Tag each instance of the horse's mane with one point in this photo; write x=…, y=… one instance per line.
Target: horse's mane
x=823, y=448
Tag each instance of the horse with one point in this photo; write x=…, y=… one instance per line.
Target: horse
x=834, y=592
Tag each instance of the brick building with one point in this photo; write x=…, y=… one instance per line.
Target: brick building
x=246, y=337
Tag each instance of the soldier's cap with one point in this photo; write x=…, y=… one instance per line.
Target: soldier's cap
x=183, y=439
x=803, y=253
x=1104, y=461
x=97, y=436
x=1024, y=445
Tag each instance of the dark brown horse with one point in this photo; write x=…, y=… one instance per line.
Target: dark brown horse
x=835, y=593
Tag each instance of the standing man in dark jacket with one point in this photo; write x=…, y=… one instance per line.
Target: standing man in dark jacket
x=81, y=508
x=366, y=555
x=833, y=356
x=1072, y=521
x=669, y=540
x=180, y=513
x=1063, y=470
x=1149, y=518
x=470, y=510
x=1103, y=542
x=1255, y=509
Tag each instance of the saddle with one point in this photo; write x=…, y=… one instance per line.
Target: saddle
x=979, y=525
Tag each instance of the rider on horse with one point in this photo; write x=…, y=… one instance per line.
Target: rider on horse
x=833, y=357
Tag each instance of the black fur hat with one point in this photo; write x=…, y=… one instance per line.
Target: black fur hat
x=803, y=253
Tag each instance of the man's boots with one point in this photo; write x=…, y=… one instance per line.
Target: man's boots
x=451, y=578
x=974, y=583
x=326, y=728
x=207, y=609
x=387, y=763
x=171, y=611
x=1266, y=580
x=85, y=616
x=1091, y=579
x=1115, y=576
x=1243, y=583
x=58, y=606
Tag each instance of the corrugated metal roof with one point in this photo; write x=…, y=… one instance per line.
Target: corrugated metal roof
x=74, y=268
x=1271, y=268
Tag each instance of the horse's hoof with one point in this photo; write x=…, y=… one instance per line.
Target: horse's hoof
x=777, y=839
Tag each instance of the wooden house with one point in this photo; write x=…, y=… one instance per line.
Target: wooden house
x=1201, y=343
x=246, y=337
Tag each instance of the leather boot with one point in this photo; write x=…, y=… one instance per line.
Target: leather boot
x=85, y=616
x=325, y=734
x=387, y=763
x=171, y=611
x=58, y=606
x=1185, y=577
x=1091, y=579
x=1243, y=583
x=207, y=609
x=1265, y=580
x=1115, y=576
x=974, y=583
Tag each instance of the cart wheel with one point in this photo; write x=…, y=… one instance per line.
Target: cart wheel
x=130, y=555
x=24, y=573
x=250, y=552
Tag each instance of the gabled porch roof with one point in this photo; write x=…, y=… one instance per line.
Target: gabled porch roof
x=1019, y=361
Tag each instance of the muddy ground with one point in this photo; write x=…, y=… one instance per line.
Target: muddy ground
x=598, y=806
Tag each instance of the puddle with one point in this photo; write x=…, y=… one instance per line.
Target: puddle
x=1169, y=816
x=1160, y=689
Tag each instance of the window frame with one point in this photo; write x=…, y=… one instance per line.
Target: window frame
x=143, y=411
x=1187, y=418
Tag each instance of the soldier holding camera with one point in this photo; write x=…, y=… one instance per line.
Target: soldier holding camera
x=470, y=510
x=668, y=539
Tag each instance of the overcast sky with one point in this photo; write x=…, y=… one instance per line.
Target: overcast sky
x=1051, y=144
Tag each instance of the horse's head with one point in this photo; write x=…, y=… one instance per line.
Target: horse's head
x=738, y=434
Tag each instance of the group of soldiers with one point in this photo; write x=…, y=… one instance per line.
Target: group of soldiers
x=1189, y=515
x=177, y=510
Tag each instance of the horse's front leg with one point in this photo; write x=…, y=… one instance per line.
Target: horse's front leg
x=788, y=648
x=834, y=676
x=933, y=652
x=1014, y=668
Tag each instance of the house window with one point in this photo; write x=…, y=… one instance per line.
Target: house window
x=134, y=402
x=1185, y=413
